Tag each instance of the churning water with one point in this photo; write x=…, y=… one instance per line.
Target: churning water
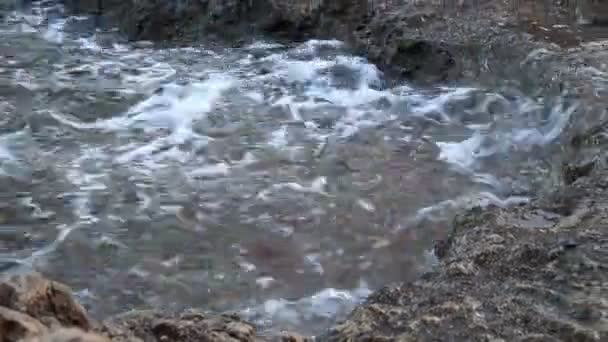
x=284, y=182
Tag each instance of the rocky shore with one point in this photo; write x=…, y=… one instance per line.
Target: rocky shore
x=536, y=272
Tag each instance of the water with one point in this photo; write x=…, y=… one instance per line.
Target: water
x=283, y=182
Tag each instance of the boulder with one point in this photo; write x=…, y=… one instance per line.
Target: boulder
x=48, y=301
x=16, y=326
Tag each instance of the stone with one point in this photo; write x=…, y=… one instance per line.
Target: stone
x=48, y=301
x=16, y=326
x=68, y=335
x=190, y=325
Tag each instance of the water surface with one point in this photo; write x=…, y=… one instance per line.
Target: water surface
x=285, y=182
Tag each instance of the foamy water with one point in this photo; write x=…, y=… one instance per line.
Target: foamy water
x=283, y=182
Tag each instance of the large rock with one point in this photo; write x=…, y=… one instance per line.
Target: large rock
x=16, y=326
x=530, y=273
x=48, y=301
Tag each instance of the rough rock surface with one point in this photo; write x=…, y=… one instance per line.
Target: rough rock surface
x=48, y=301
x=15, y=326
x=188, y=326
x=35, y=309
x=68, y=335
x=532, y=273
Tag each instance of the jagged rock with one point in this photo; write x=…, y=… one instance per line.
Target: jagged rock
x=48, y=301
x=187, y=326
x=519, y=274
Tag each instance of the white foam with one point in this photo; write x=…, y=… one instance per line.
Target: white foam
x=462, y=154
x=54, y=32
x=328, y=303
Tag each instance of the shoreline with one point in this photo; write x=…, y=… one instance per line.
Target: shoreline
x=527, y=273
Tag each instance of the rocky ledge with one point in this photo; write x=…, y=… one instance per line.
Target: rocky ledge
x=35, y=309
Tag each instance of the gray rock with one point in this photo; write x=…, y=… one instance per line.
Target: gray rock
x=524, y=273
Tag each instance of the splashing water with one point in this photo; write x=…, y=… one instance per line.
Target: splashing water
x=285, y=182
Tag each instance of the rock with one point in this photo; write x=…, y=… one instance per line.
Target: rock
x=592, y=12
x=48, y=301
x=68, y=335
x=190, y=325
x=506, y=274
x=287, y=336
x=421, y=40
x=16, y=326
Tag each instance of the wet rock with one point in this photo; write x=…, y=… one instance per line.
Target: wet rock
x=48, y=301
x=512, y=274
x=415, y=39
x=16, y=326
x=592, y=12
x=187, y=326
x=287, y=336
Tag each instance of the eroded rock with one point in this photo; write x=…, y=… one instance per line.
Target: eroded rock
x=48, y=301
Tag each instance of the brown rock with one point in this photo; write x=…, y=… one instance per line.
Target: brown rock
x=288, y=336
x=187, y=326
x=69, y=335
x=15, y=326
x=48, y=301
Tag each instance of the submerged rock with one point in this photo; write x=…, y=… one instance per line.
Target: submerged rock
x=519, y=274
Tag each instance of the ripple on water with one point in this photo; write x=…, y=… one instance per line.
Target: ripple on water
x=282, y=181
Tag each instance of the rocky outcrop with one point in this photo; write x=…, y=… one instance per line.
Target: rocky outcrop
x=188, y=326
x=530, y=273
x=422, y=40
x=35, y=309
x=48, y=301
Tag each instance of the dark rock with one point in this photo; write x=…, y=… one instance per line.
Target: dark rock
x=419, y=40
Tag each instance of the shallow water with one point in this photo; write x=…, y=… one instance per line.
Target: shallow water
x=284, y=182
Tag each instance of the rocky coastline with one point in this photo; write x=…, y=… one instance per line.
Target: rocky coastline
x=535, y=272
